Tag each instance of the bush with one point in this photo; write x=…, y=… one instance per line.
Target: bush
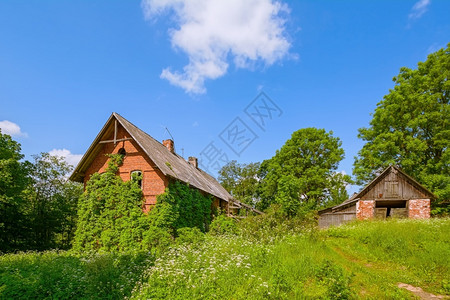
x=188, y=235
x=223, y=225
x=157, y=239
x=274, y=224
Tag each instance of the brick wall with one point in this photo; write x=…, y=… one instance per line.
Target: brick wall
x=153, y=181
x=419, y=209
x=365, y=209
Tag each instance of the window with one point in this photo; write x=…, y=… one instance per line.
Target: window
x=122, y=152
x=137, y=176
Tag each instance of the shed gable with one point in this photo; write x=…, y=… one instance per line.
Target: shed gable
x=393, y=185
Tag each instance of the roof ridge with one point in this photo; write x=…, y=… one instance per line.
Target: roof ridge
x=140, y=130
x=173, y=165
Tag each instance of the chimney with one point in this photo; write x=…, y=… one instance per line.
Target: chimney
x=169, y=145
x=193, y=161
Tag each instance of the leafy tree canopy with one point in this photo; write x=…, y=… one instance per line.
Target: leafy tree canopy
x=240, y=180
x=411, y=127
x=303, y=171
x=13, y=180
x=51, y=203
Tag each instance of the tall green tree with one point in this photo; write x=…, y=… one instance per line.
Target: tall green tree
x=13, y=180
x=303, y=171
x=241, y=180
x=51, y=203
x=411, y=127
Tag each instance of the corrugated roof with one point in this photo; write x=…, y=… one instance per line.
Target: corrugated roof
x=170, y=164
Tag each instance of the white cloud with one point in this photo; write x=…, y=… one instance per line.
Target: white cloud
x=211, y=32
x=70, y=158
x=419, y=8
x=11, y=129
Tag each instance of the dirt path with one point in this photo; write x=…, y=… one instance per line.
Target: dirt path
x=419, y=292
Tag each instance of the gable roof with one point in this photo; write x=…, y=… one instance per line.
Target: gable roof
x=388, y=170
x=356, y=196
x=170, y=164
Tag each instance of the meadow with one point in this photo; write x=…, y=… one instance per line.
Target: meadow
x=259, y=258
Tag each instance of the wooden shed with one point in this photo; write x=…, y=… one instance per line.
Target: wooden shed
x=393, y=194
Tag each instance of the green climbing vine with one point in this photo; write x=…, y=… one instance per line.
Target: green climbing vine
x=110, y=213
x=188, y=207
x=110, y=216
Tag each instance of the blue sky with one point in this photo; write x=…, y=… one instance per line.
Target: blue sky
x=194, y=68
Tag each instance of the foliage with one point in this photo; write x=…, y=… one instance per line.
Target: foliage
x=51, y=203
x=414, y=250
x=274, y=225
x=183, y=206
x=240, y=180
x=411, y=127
x=63, y=275
x=110, y=213
x=13, y=180
x=223, y=225
x=269, y=258
x=190, y=235
x=110, y=216
x=303, y=171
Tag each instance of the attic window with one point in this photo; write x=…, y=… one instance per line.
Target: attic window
x=137, y=176
x=122, y=152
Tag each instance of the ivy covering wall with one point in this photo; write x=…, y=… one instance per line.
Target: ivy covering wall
x=110, y=216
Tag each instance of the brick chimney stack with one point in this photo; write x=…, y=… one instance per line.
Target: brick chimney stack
x=169, y=145
x=193, y=161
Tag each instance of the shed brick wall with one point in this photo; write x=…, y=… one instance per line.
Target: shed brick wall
x=419, y=208
x=365, y=209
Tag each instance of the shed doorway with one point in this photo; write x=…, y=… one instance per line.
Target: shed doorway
x=391, y=209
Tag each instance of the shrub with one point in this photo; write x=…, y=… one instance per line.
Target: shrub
x=189, y=235
x=223, y=225
x=156, y=239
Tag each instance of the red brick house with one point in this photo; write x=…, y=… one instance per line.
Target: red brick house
x=158, y=163
x=392, y=194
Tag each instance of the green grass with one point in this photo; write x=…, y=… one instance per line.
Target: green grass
x=64, y=275
x=266, y=260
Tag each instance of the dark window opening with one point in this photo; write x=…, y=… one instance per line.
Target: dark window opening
x=122, y=152
x=137, y=177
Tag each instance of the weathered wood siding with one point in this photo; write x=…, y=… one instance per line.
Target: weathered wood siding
x=335, y=219
x=393, y=187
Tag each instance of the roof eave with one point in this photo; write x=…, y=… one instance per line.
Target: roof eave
x=75, y=176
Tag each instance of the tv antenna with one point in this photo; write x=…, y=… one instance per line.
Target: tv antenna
x=171, y=136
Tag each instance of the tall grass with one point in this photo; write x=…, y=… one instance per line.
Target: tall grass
x=265, y=259
x=65, y=275
x=417, y=250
